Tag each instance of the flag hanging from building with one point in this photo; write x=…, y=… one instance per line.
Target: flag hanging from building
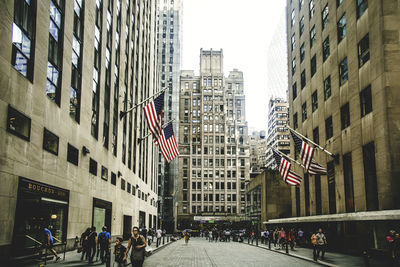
x=306, y=156
x=167, y=143
x=288, y=176
x=154, y=113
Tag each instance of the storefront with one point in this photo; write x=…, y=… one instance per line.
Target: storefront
x=102, y=211
x=39, y=205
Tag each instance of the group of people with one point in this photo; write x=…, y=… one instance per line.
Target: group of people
x=91, y=242
x=215, y=235
x=393, y=242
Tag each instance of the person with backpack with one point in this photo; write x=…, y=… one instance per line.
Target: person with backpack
x=314, y=244
x=321, y=243
x=49, y=241
x=138, y=244
x=119, y=252
x=103, y=243
x=92, y=240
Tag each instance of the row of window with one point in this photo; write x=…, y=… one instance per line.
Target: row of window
x=365, y=108
x=217, y=209
x=209, y=173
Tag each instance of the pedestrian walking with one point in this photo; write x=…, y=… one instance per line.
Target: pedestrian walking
x=49, y=241
x=275, y=237
x=390, y=242
x=300, y=236
x=314, y=244
x=159, y=235
x=138, y=244
x=119, y=252
x=92, y=240
x=186, y=237
x=84, y=243
x=210, y=236
x=103, y=243
x=282, y=237
x=321, y=243
x=396, y=249
x=292, y=239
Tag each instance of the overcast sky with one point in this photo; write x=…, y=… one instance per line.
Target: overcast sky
x=244, y=30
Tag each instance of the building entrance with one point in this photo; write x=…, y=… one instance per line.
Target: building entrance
x=102, y=211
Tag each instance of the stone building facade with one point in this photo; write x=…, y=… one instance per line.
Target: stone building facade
x=214, y=160
x=278, y=134
x=343, y=87
x=67, y=159
x=258, y=150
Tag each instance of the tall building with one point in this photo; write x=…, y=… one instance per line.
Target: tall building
x=68, y=68
x=343, y=87
x=258, y=150
x=169, y=21
x=214, y=160
x=278, y=134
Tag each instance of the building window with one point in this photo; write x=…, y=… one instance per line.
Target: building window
x=123, y=185
x=301, y=25
x=341, y=28
x=313, y=65
x=328, y=128
x=312, y=8
x=325, y=16
x=331, y=187
x=327, y=88
x=313, y=38
x=304, y=112
x=93, y=166
x=363, y=50
x=76, y=72
x=50, y=142
x=316, y=135
x=343, y=71
x=128, y=187
x=295, y=122
x=301, y=3
x=104, y=173
x=23, y=37
x=345, y=116
x=18, y=124
x=293, y=18
x=113, y=178
x=72, y=155
x=303, y=79
x=294, y=91
x=293, y=66
x=302, y=53
x=371, y=192
x=293, y=42
x=54, y=65
x=366, y=101
x=186, y=85
x=325, y=49
x=348, y=182
x=362, y=5
x=314, y=99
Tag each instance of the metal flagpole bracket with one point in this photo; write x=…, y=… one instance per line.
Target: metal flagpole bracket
x=122, y=113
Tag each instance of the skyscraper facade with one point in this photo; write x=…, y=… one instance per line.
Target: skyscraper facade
x=214, y=160
x=169, y=19
x=343, y=86
x=69, y=160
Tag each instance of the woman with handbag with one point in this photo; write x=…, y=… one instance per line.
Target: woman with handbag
x=138, y=243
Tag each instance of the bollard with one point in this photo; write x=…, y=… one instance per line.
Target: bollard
x=366, y=258
x=257, y=241
x=108, y=258
x=167, y=239
x=163, y=240
x=269, y=243
x=287, y=247
x=248, y=240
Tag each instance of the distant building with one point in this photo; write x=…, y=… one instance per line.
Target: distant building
x=213, y=141
x=258, y=150
x=343, y=92
x=278, y=134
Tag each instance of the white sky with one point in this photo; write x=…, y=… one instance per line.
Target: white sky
x=244, y=30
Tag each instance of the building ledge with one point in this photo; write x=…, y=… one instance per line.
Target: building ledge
x=382, y=215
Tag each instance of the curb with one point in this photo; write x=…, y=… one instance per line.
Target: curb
x=161, y=247
x=323, y=263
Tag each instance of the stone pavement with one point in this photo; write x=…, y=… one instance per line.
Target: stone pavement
x=72, y=258
x=200, y=252
x=331, y=259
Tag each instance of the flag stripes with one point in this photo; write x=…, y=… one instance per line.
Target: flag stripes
x=167, y=144
x=288, y=176
x=154, y=114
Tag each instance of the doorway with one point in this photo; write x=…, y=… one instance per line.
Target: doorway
x=126, y=233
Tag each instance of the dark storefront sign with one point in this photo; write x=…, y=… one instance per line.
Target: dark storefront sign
x=39, y=205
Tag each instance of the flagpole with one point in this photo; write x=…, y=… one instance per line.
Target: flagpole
x=147, y=135
x=122, y=113
x=284, y=155
x=315, y=144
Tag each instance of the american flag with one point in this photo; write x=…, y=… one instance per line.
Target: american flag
x=288, y=176
x=154, y=113
x=306, y=156
x=167, y=143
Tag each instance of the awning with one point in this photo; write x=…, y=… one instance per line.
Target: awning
x=382, y=215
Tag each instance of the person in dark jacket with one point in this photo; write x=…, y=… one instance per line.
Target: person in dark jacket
x=92, y=240
x=119, y=252
x=85, y=244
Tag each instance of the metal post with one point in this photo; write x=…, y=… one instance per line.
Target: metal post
x=269, y=245
x=287, y=246
x=366, y=258
x=65, y=248
x=108, y=258
x=163, y=240
x=248, y=240
x=167, y=239
x=257, y=241
x=45, y=256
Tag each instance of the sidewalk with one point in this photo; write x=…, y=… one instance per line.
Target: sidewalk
x=72, y=258
x=331, y=259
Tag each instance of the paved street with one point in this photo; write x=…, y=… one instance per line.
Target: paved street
x=199, y=252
